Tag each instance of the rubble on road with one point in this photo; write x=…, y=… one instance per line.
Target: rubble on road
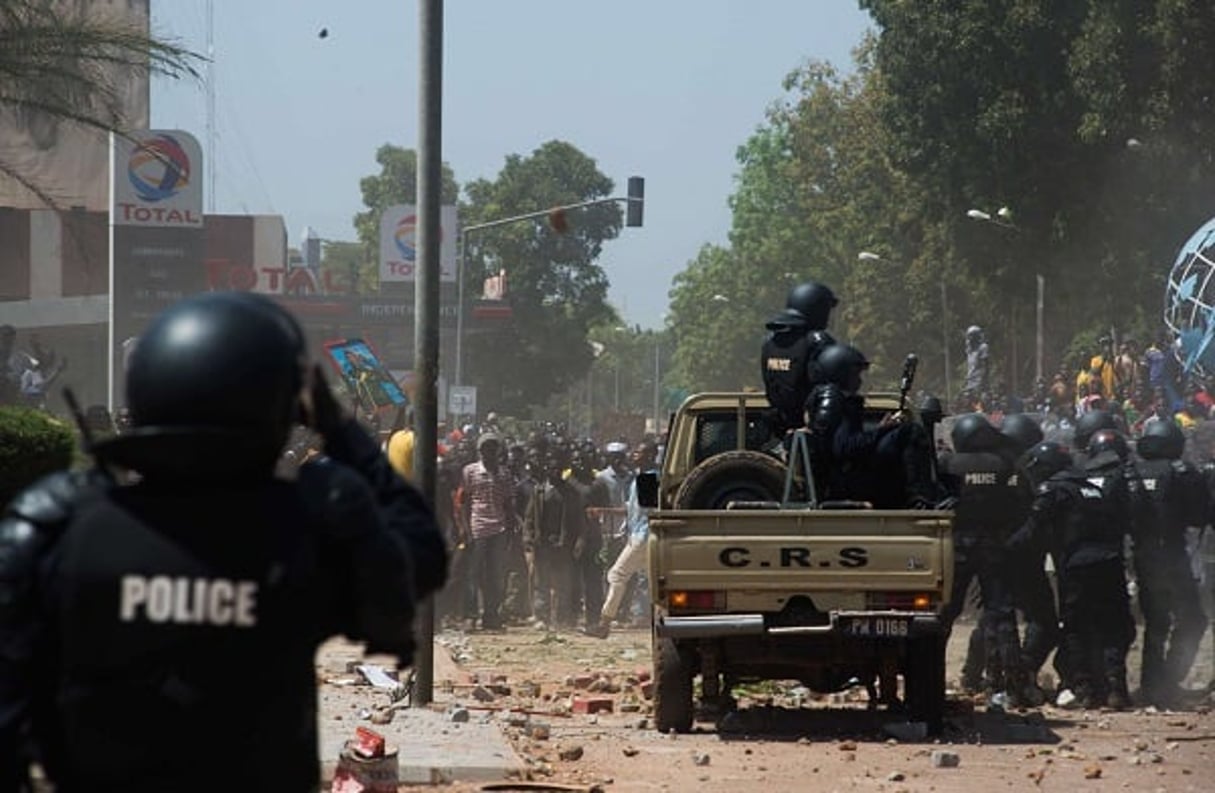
x=944, y=759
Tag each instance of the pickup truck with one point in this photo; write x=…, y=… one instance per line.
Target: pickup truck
x=749, y=586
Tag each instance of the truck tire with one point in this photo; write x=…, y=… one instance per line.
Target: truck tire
x=924, y=681
x=741, y=475
x=672, y=688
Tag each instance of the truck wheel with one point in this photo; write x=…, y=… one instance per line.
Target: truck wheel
x=672, y=688
x=924, y=681
x=741, y=475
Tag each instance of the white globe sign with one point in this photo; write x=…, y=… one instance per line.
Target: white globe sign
x=1189, y=303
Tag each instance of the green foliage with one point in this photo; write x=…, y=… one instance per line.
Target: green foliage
x=352, y=263
x=956, y=105
x=556, y=290
x=32, y=444
x=59, y=63
x=396, y=183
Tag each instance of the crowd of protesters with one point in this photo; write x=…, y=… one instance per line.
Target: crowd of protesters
x=1138, y=384
x=544, y=527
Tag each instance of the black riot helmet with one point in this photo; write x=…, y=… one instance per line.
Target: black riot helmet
x=1161, y=440
x=1090, y=423
x=220, y=373
x=1022, y=430
x=813, y=301
x=1044, y=460
x=1108, y=445
x=974, y=433
x=839, y=361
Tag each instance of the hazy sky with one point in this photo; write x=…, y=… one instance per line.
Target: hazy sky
x=665, y=89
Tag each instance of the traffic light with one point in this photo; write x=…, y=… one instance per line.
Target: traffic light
x=632, y=217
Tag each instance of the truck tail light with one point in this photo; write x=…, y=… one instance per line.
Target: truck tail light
x=901, y=601
x=696, y=600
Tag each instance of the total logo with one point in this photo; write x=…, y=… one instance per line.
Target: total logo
x=405, y=238
x=158, y=168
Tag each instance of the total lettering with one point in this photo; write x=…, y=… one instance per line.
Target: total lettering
x=142, y=214
x=188, y=601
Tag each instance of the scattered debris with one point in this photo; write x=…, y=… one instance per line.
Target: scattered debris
x=1092, y=771
x=944, y=759
x=570, y=753
x=895, y=776
x=482, y=694
x=539, y=731
x=458, y=715
x=630, y=751
x=366, y=743
x=848, y=746
x=700, y=758
x=377, y=677
x=590, y=705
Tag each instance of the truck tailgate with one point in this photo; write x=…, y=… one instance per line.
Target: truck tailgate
x=805, y=550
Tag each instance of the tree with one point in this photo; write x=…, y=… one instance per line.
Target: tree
x=60, y=64
x=556, y=292
x=1031, y=104
x=396, y=183
x=815, y=188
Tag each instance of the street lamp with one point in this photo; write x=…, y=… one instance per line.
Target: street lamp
x=1003, y=219
x=870, y=256
x=634, y=202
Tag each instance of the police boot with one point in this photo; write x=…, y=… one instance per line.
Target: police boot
x=1118, y=697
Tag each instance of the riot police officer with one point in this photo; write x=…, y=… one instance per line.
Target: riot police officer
x=1170, y=497
x=1087, y=426
x=889, y=465
x=1031, y=588
x=795, y=339
x=984, y=479
x=147, y=625
x=1079, y=526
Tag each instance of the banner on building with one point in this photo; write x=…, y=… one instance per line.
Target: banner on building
x=399, y=241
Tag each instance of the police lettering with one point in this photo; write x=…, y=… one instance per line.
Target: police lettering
x=981, y=478
x=188, y=601
x=1149, y=484
x=780, y=364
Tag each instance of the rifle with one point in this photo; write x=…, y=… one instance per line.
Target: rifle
x=87, y=441
x=909, y=365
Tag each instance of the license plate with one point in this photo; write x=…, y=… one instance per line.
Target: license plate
x=877, y=627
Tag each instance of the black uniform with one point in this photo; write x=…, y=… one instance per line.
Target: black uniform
x=1082, y=531
x=790, y=370
x=987, y=505
x=1170, y=497
x=149, y=630
x=889, y=466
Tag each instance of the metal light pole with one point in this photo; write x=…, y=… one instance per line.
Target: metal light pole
x=870, y=256
x=1003, y=220
x=657, y=375
x=426, y=302
x=634, y=201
